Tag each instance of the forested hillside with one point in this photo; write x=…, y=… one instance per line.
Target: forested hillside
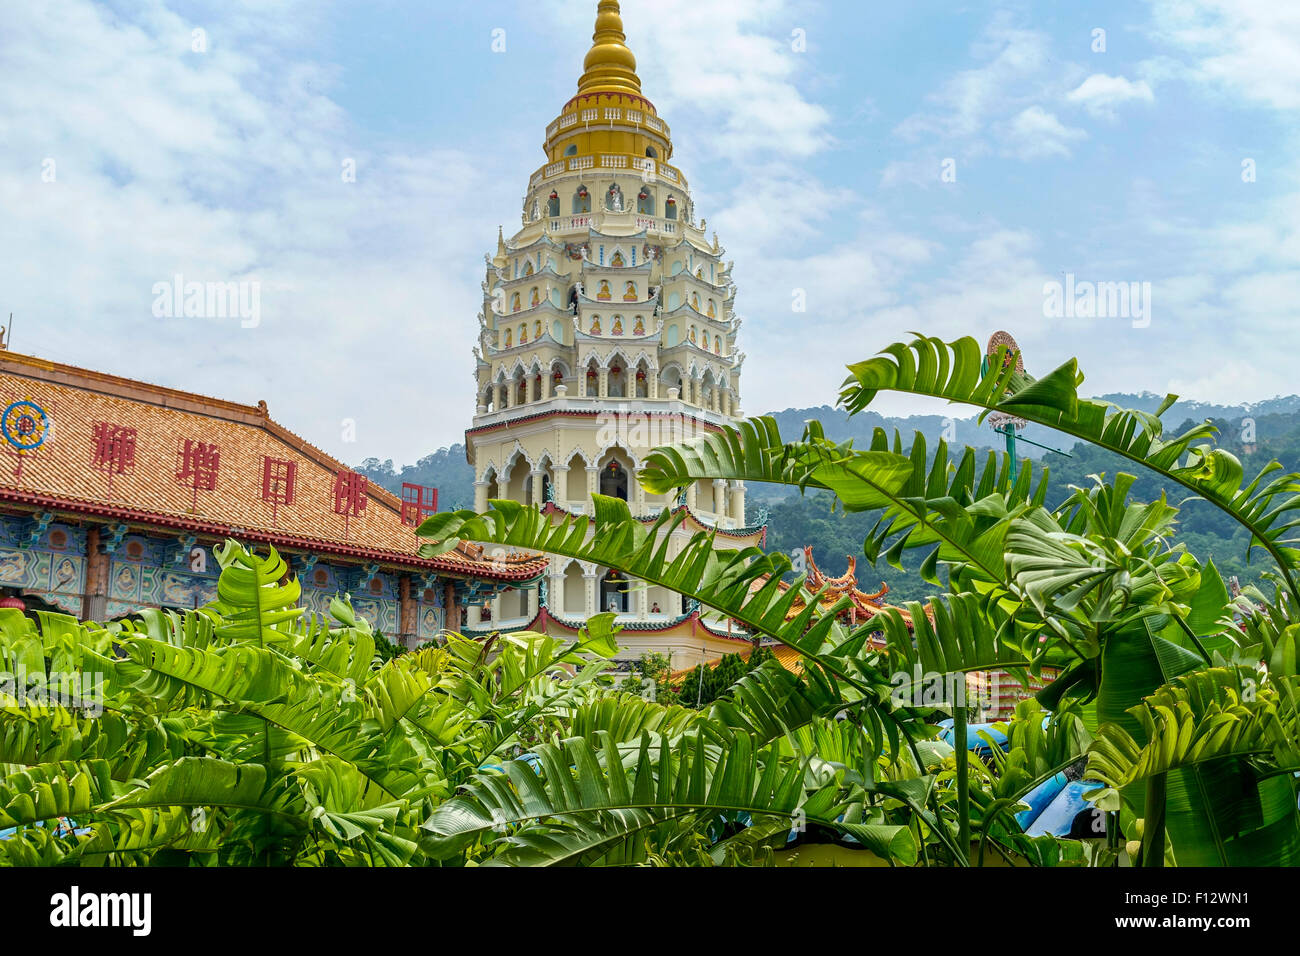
x=1255, y=434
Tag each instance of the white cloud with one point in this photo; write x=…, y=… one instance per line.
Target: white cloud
x=1035, y=133
x=1247, y=48
x=225, y=165
x=967, y=102
x=1099, y=94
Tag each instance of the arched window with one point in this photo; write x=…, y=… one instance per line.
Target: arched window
x=571, y=149
x=670, y=336
x=557, y=331
x=581, y=200
x=652, y=152
x=553, y=204
x=645, y=201
x=616, y=384
x=670, y=209
x=614, y=198
x=613, y=480
x=613, y=593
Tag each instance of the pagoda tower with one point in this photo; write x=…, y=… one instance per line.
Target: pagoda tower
x=607, y=329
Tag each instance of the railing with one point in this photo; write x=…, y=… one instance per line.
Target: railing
x=613, y=113
x=569, y=119
x=649, y=168
x=589, y=115
x=570, y=222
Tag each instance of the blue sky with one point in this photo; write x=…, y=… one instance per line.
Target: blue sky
x=820, y=168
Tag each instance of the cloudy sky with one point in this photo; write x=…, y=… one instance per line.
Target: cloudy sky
x=922, y=166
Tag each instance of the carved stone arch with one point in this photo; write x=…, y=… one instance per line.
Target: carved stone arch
x=517, y=451
x=593, y=355
x=616, y=443
x=490, y=469
x=577, y=452
x=517, y=369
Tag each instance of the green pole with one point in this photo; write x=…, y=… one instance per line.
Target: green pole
x=1009, y=430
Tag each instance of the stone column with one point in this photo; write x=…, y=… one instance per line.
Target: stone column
x=538, y=498
x=561, y=484
x=555, y=591
x=546, y=384
x=720, y=496
x=642, y=597
x=502, y=389
x=531, y=389
x=406, y=619
x=582, y=382
x=451, y=611
x=591, y=597
x=480, y=496
x=738, y=502
x=652, y=386
x=94, y=603
x=603, y=375
x=693, y=496
x=593, y=485
x=636, y=495
x=474, y=615
x=532, y=603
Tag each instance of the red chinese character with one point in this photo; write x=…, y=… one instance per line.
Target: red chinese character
x=114, y=449
x=418, y=502
x=279, y=481
x=350, y=493
x=199, y=463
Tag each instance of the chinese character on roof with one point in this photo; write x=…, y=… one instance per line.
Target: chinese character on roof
x=279, y=481
x=112, y=450
x=198, y=464
x=418, y=502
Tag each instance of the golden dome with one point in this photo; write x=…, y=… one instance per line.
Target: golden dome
x=610, y=65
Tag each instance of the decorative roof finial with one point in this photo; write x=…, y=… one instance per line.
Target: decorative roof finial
x=610, y=65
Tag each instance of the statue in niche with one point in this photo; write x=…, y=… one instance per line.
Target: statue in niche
x=712, y=314
x=617, y=328
x=692, y=335
x=629, y=294
x=537, y=329
x=595, y=325
x=535, y=299
x=639, y=327
x=510, y=340
x=614, y=199
x=523, y=334
x=617, y=261
x=604, y=293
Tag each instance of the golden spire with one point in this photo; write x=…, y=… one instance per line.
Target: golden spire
x=610, y=65
x=500, y=259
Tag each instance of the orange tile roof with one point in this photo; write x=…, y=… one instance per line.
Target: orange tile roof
x=61, y=475
x=787, y=657
x=863, y=605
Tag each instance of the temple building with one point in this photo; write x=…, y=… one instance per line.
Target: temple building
x=608, y=328
x=113, y=493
